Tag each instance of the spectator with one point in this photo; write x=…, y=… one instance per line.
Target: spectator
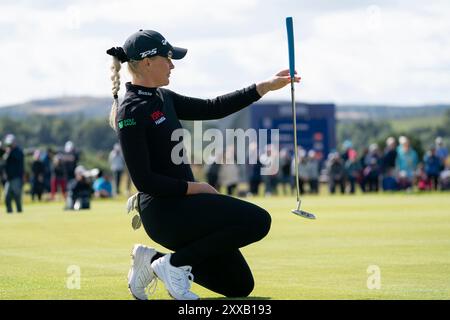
x=389, y=181
x=59, y=177
x=352, y=170
x=269, y=157
x=407, y=159
x=253, y=169
x=389, y=156
x=362, y=162
x=79, y=191
x=372, y=169
x=2, y=166
x=14, y=174
x=433, y=167
x=285, y=171
x=102, y=186
x=47, y=160
x=229, y=172
x=313, y=170
x=444, y=178
x=441, y=150
x=404, y=182
x=117, y=165
x=303, y=176
x=348, y=148
x=301, y=171
x=423, y=182
x=336, y=173
x=37, y=176
x=70, y=159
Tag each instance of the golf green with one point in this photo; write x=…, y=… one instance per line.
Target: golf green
x=384, y=246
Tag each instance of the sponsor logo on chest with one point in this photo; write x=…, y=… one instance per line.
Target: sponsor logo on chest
x=158, y=117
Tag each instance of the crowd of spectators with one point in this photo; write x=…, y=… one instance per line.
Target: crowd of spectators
x=55, y=174
x=392, y=167
x=396, y=167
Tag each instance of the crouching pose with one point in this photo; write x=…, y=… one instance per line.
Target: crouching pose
x=203, y=229
x=80, y=191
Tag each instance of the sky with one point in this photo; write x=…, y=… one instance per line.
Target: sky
x=347, y=51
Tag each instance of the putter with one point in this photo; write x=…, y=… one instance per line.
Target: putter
x=290, y=34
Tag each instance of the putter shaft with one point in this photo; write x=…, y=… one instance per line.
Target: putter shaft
x=297, y=211
x=294, y=113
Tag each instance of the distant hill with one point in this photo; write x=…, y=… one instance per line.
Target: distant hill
x=91, y=107
x=357, y=112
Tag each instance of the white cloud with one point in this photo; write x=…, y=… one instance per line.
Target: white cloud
x=357, y=52
x=396, y=59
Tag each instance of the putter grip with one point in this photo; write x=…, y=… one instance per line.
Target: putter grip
x=290, y=35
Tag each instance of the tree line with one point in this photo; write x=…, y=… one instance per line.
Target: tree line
x=95, y=137
x=364, y=132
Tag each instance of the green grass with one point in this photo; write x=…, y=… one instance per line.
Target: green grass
x=406, y=236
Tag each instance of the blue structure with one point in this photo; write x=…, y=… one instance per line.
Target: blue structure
x=316, y=124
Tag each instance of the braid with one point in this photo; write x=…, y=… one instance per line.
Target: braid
x=115, y=78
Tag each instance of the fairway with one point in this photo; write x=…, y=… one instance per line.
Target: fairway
x=406, y=236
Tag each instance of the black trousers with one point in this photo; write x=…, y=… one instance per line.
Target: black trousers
x=206, y=232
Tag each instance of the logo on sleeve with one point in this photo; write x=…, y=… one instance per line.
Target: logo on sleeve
x=126, y=123
x=158, y=117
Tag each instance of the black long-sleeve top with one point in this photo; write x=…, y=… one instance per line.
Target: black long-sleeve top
x=146, y=119
x=15, y=164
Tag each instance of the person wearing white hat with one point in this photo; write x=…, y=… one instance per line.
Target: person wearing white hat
x=14, y=174
x=70, y=158
x=313, y=168
x=79, y=190
x=441, y=150
x=407, y=158
x=389, y=155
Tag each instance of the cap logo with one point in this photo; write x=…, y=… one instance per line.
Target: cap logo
x=164, y=42
x=169, y=54
x=148, y=53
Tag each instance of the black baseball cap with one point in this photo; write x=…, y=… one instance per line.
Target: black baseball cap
x=149, y=43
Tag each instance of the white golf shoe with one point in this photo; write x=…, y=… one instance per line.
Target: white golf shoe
x=141, y=276
x=176, y=279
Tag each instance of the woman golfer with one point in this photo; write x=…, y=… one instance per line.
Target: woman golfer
x=203, y=228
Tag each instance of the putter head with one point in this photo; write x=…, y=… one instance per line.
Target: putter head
x=303, y=214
